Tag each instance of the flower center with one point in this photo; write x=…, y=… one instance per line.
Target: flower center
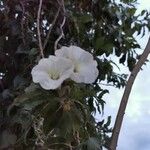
x=76, y=68
x=53, y=75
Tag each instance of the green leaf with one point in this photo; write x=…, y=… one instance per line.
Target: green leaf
x=19, y=82
x=99, y=42
x=102, y=93
x=108, y=122
x=31, y=88
x=30, y=100
x=33, y=52
x=85, y=18
x=52, y=113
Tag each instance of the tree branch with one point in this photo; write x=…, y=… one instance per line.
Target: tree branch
x=61, y=27
x=38, y=30
x=62, y=33
x=125, y=97
x=50, y=28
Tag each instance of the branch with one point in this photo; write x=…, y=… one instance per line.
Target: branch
x=61, y=35
x=38, y=29
x=61, y=27
x=50, y=28
x=125, y=97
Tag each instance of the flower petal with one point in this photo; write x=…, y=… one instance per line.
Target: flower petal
x=48, y=68
x=87, y=73
x=60, y=64
x=74, y=53
x=85, y=66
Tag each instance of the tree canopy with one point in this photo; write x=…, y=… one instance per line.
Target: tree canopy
x=61, y=119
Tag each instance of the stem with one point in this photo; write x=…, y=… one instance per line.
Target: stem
x=38, y=29
x=61, y=27
x=125, y=97
x=50, y=28
x=61, y=35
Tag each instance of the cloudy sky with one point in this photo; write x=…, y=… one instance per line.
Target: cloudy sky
x=135, y=132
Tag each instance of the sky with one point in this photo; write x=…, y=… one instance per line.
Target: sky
x=135, y=131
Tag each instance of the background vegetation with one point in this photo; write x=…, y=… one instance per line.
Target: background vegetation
x=31, y=117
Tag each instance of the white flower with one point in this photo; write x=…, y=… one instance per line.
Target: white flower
x=85, y=70
x=51, y=72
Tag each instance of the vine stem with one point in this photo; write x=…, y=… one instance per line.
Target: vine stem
x=61, y=26
x=50, y=28
x=125, y=97
x=61, y=35
x=38, y=29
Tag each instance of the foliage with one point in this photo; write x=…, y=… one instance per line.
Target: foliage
x=62, y=119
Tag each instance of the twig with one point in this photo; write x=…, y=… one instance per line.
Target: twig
x=50, y=28
x=38, y=29
x=38, y=128
x=78, y=137
x=77, y=28
x=61, y=27
x=61, y=35
x=125, y=97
